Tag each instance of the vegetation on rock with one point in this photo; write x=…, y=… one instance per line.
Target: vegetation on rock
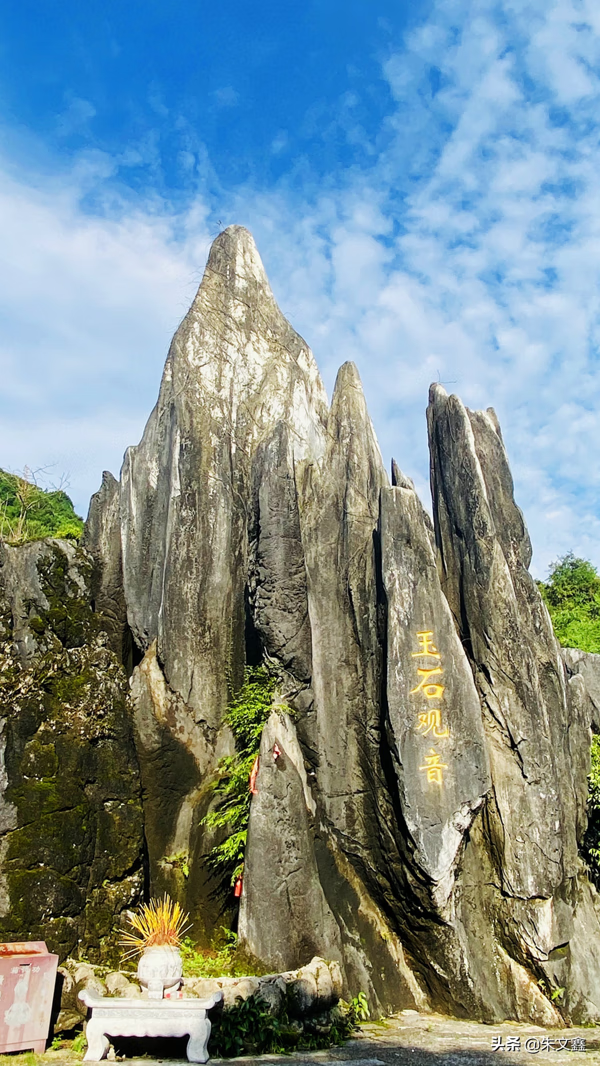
x=73, y=859
x=591, y=840
x=246, y=716
x=572, y=595
x=224, y=959
x=29, y=512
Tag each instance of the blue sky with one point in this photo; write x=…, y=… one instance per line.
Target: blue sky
x=421, y=180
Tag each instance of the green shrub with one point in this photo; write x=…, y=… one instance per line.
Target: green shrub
x=79, y=1044
x=249, y=1029
x=28, y=512
x=246, y=717
x=591, y=840
x=223, y=960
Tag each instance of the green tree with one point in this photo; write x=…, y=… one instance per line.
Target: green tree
x=572, y=595
x=29, y=512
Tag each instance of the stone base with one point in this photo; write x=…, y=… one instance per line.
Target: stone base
x=136, y=1017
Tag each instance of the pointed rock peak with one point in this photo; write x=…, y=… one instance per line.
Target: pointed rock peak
x=400, y=480
x=234, y=241
x=109, y=481
x=348, y=378
x=444, y=409
x=437, y=392
x=493, y=417
x=349, y=423
x=348, y=404
x=234, y=261
x=348, y=401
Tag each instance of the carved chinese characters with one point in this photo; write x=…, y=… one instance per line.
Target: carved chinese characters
x=430, y=720
x=434, y=711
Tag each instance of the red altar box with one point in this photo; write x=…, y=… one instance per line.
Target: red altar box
x=27, y=980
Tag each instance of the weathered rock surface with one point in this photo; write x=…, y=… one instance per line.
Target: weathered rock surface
x=484, y=552
x=306, y=991
x=71, y=838
x=236, y=369
x=587, y=666
x=284, y=913
x=534, y=732
x=438, y=748
x=102, y=534
x=176, y=772
x=207, y=576
x=421, y=823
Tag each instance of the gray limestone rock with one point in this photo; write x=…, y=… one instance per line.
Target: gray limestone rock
x=102, y=538
x=483, y=552
x=438, y=747
x=277, y=587
x=284, y=914
x=235, y=370
x=30, y=582
x=587, y=666
x=307, y=991
x=537, y=737
x=212, y=560
x=176, y=776
x=71, y=833
x=339, y=505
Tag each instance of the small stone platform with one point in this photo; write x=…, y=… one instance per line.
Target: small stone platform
x=147, y=1017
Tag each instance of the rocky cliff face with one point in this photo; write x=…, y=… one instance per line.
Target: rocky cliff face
x=71, y=832
x=419, y=806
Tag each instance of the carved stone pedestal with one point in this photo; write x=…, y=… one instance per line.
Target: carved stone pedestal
x=141, y=1017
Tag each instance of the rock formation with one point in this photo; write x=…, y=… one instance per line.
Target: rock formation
x=71, y=832
x=420, y=798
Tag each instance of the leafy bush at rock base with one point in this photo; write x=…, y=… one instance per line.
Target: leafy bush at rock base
x=249, y=1029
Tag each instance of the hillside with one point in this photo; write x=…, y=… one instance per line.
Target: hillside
x=28, y=512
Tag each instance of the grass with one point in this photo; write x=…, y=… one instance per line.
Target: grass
x=223, y=960
x=60, y=1051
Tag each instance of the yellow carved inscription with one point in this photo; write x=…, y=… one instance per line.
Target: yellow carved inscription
x=431, y=722
x=434, y=767
x=426, y=645
x=430, y=687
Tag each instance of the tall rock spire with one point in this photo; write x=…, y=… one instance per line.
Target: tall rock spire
x=535, y=726
x=235, y=369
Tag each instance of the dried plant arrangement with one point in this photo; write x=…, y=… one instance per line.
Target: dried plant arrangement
x=159, y=923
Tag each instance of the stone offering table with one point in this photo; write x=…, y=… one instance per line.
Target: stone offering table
x=148, y=1017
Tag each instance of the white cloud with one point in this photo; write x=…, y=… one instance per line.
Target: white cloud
x=76, y=117
x=87, y=309
x=226, y=97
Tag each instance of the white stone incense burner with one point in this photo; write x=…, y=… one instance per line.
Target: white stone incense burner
x=159, y=970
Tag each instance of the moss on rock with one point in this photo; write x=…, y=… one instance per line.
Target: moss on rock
x=72, y=830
